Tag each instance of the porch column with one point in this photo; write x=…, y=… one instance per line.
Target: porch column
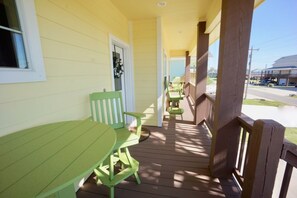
x=201, y=72
x=235, y=31
x=187, y=74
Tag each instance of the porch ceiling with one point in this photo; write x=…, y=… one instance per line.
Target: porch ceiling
x=179, y=19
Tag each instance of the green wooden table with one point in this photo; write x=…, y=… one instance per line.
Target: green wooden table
x=47, y=160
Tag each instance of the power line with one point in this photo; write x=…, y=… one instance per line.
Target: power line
x=293, y=34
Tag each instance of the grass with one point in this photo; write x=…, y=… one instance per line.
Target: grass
x=291, y=134
x=262, y=102
x=211, y=80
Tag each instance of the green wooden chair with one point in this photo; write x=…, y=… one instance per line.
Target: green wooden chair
x=107, y=107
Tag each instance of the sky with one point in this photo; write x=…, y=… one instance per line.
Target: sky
x=274, y=33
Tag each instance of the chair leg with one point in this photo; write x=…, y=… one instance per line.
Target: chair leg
x=137, y=177
x=111, y=175
x=111, y=192
x=133, y=165
x=106, y=171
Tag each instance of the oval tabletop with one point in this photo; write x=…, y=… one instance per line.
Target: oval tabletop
x=39, y=161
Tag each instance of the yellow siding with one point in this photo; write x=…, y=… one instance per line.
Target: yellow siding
x=75, y=43
x=145, y=65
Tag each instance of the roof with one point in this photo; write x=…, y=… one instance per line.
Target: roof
x=282, y=68
x=285, y=62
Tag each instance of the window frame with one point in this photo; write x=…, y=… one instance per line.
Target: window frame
x=33, y=50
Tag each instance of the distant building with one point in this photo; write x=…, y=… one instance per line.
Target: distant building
x=256, y=74
x=284, y=71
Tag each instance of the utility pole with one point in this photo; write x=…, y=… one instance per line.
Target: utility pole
x=249, y=70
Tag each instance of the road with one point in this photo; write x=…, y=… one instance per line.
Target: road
x=276, y=94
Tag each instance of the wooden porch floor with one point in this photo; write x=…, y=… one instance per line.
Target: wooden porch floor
x=173, y=163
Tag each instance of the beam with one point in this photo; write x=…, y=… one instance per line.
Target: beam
x=235, y=31
x=201, y=72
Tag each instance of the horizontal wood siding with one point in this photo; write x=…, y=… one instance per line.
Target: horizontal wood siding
x=75, y=45
x=145, y=65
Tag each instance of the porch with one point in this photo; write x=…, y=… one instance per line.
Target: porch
x=177, y=160
x=174, y=162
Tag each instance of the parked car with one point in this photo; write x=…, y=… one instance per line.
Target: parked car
x=267, y=82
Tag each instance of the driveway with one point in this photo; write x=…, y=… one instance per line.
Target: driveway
x=281, y=94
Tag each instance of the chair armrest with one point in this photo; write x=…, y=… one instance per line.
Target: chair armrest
x=135, y=114
x=138, y=117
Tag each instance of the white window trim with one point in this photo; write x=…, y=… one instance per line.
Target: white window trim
x=36, y=71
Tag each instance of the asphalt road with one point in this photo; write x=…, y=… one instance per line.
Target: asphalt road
x=276, y=94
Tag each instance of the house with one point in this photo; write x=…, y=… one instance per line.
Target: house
x=284, y=70
x=59, y=51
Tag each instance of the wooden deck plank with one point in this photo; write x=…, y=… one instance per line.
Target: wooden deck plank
x=173, y=163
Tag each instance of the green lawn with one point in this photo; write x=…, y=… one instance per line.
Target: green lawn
x=291, y=134
x=211, y=80
x=262, y=102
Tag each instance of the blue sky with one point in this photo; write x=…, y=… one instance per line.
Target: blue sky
x=274, y=33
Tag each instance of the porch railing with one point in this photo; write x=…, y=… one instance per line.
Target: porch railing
x=260, y=147
x=246, y=124
x=209, y=117
x=289, y=155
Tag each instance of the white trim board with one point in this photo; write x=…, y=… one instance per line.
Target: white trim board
x=128, y=75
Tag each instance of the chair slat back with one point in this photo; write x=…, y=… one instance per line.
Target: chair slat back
x=107, y=107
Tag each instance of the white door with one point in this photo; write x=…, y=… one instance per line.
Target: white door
x=118, y=58
x=122, y=71
x=118, y=68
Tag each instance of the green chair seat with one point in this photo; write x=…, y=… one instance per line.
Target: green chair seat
x=176, y=110
x=125, y=138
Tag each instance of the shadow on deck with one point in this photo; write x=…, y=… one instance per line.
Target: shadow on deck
x=173, y=163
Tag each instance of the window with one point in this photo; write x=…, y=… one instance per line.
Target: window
x=20, y=49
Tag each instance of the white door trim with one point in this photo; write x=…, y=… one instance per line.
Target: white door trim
x=160, y=75
x=128, y=75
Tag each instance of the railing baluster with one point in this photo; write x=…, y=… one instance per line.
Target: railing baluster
x=241, y=151
x=286, y=181
x=247, y=148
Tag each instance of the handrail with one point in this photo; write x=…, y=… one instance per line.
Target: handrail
x=288, y=147
x=210, y=97
x=246, y=122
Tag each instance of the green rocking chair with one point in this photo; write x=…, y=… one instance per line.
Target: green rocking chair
x=106, y=107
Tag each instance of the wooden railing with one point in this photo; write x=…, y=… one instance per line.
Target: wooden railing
x=260, y=147
x=261, y=141
x=192, y=91
x=289, y=155
x=246, y=124
x=210, y=100
x=210, y=111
